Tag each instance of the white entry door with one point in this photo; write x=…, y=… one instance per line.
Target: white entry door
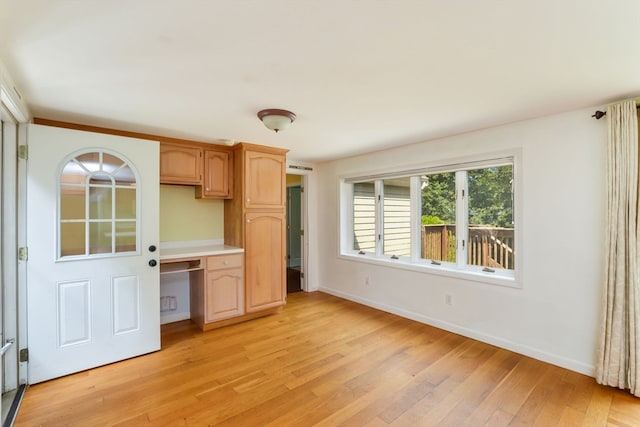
x=92, y=233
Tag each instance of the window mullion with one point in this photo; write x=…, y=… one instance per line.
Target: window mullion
x=87, y=216
x=416, y=218
x=462, y=218
x=113, y=215
x=379, y=197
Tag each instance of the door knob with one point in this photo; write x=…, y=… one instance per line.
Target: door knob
x=152, y=248
x=153, y=263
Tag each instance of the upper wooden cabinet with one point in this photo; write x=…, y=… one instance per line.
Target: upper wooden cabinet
x=217, y=180
x=180, y=164
x=208, y=169
x=264, y=177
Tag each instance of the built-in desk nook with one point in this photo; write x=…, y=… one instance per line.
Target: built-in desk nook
x=201, y=281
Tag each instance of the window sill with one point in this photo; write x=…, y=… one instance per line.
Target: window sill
x=440, y=270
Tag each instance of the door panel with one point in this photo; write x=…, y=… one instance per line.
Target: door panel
x=265, y=268
x=93, y=298
x=74, y=313
x=223, y=294
x=264, y=179
x=126, y=304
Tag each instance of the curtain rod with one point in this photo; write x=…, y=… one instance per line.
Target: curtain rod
x=600, y=114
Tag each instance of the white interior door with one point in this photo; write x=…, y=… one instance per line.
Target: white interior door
x=92, y=229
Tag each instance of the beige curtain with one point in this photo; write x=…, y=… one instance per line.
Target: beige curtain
x=618, y=361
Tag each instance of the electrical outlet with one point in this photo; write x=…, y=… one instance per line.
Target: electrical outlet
x=168, y=303
x=448, y=299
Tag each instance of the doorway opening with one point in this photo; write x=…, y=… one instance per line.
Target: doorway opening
x=295, y=234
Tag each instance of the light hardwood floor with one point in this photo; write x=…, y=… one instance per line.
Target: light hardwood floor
x=326, y=361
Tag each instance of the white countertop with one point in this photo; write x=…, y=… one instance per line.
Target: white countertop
x=193, y=249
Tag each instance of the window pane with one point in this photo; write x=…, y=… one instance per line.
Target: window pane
x=99, y=237
x=397, y=217
x=126, y=236
x=125, y=203
x=364, y=217
x=100, y=203
x=125, y=176
x=72, y=202
x=438, y=199
x=110, y=163
x=72, y=238
x=491, y=235
x=91, y=161
x=73, y=173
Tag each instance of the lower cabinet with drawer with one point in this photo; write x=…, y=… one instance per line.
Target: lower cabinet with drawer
x=224, y=287
x=221, y=296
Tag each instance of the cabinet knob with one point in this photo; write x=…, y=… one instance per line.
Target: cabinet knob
x=207, y=188
x=226, y=262
x=248, y=199
x=248, y=221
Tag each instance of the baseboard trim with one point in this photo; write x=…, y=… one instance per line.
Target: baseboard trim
x=170, y=318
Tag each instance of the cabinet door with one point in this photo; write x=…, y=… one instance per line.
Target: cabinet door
x=223, y=294
x=180, y=164
x=264, y=260
x=265, y=180
x=217, y=177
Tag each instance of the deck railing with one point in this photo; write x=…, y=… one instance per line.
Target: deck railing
x=487, y=246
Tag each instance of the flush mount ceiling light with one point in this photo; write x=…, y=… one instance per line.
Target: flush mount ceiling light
x=275, y=119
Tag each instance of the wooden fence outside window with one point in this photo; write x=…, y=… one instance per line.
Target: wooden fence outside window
x=488, y=246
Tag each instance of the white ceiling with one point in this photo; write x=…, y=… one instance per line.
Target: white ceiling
x=361, y=75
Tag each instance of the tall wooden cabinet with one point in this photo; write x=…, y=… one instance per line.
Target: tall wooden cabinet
x=255, y=220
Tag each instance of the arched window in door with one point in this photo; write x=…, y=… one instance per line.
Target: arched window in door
x=98, y=204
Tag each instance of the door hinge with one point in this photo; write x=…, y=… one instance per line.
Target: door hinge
x=23, y=253
x=23, y=152
x=302, y=275
x=302, y=189
x=302, y=232
x=24, y=355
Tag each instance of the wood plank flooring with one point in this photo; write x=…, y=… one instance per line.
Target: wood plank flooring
x=325, y=361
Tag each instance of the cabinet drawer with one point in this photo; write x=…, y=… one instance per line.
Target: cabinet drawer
x=224, y=261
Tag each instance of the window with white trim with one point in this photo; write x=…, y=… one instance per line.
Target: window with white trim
x=456, y=218
x=97, y=206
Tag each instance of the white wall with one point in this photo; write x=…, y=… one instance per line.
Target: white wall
x=554, y=316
